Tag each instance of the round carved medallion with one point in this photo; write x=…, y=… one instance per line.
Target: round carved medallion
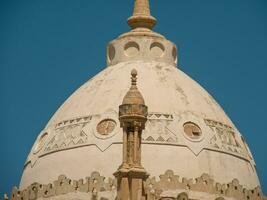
x=192, y=130
x=105, y=127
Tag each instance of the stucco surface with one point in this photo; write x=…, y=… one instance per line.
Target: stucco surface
x=165, y=88
x=70, y=144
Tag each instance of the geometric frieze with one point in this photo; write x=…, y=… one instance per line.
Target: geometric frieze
x=68, y=136
x=225, y=138
x=64, y=135
x=103, y=130
x=100, y=129
x=158, y=116
x=168, y=186
x=157, y=131
x=78, y=120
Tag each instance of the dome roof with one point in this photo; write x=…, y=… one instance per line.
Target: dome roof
x=73, y=142
x=186, y=131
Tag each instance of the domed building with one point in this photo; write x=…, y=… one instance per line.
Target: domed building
x=91, y=147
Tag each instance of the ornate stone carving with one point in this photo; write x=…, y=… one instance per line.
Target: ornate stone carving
x=78, y=132
x=170, y=182
x=160, y=128
x=103, y=127
x=106, y=126
x=67, y=137
x=168, y=187
x=162, y=116
x=78, y=120
x=192, y=130
x=132, y=116
x=93, y=184
x=225, y=138
x=67, y=134
x=157, y=129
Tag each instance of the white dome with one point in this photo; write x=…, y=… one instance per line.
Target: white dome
x=186, y=131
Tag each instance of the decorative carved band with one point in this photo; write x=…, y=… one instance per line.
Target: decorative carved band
x=69, y=134
x=160, y=129
x=95, y=184
x=204, y=183
x=225, y=138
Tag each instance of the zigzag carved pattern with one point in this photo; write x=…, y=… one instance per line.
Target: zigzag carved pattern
x=224, y=138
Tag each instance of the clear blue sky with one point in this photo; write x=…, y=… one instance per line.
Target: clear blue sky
x=49, y=48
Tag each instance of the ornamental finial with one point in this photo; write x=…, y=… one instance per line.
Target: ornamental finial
x=133, y=96
x=134, y=77
x=141, y=16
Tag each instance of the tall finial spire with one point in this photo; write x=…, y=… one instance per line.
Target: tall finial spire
x=141, y=7
x=141, y=16
x=131, y=176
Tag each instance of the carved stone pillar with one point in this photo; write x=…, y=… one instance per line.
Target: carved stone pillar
x=124, y=152
x=133, y=116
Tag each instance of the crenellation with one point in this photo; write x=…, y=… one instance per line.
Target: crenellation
x=47, y=191
x=95, y=184
x=83, y=186
x=168, y=181
x=204, y=183
x=234, y=189
x=63, y=185
x=221, y=188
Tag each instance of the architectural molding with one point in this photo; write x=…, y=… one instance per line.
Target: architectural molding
x=161, y=128
x=169, y=186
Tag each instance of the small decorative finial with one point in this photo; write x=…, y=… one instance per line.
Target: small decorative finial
x=133, y=96
x=134, y=76
x=141, y=16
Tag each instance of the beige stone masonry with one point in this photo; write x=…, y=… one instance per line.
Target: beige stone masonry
x=168, y=187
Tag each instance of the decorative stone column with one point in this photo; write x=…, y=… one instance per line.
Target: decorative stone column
x=133, y=116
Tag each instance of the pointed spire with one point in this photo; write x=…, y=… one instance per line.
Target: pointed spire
x=133, y=96
x=141, y=8
x=141, y=16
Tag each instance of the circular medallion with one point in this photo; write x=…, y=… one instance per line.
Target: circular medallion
x=106, y=127
x=192, y=131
